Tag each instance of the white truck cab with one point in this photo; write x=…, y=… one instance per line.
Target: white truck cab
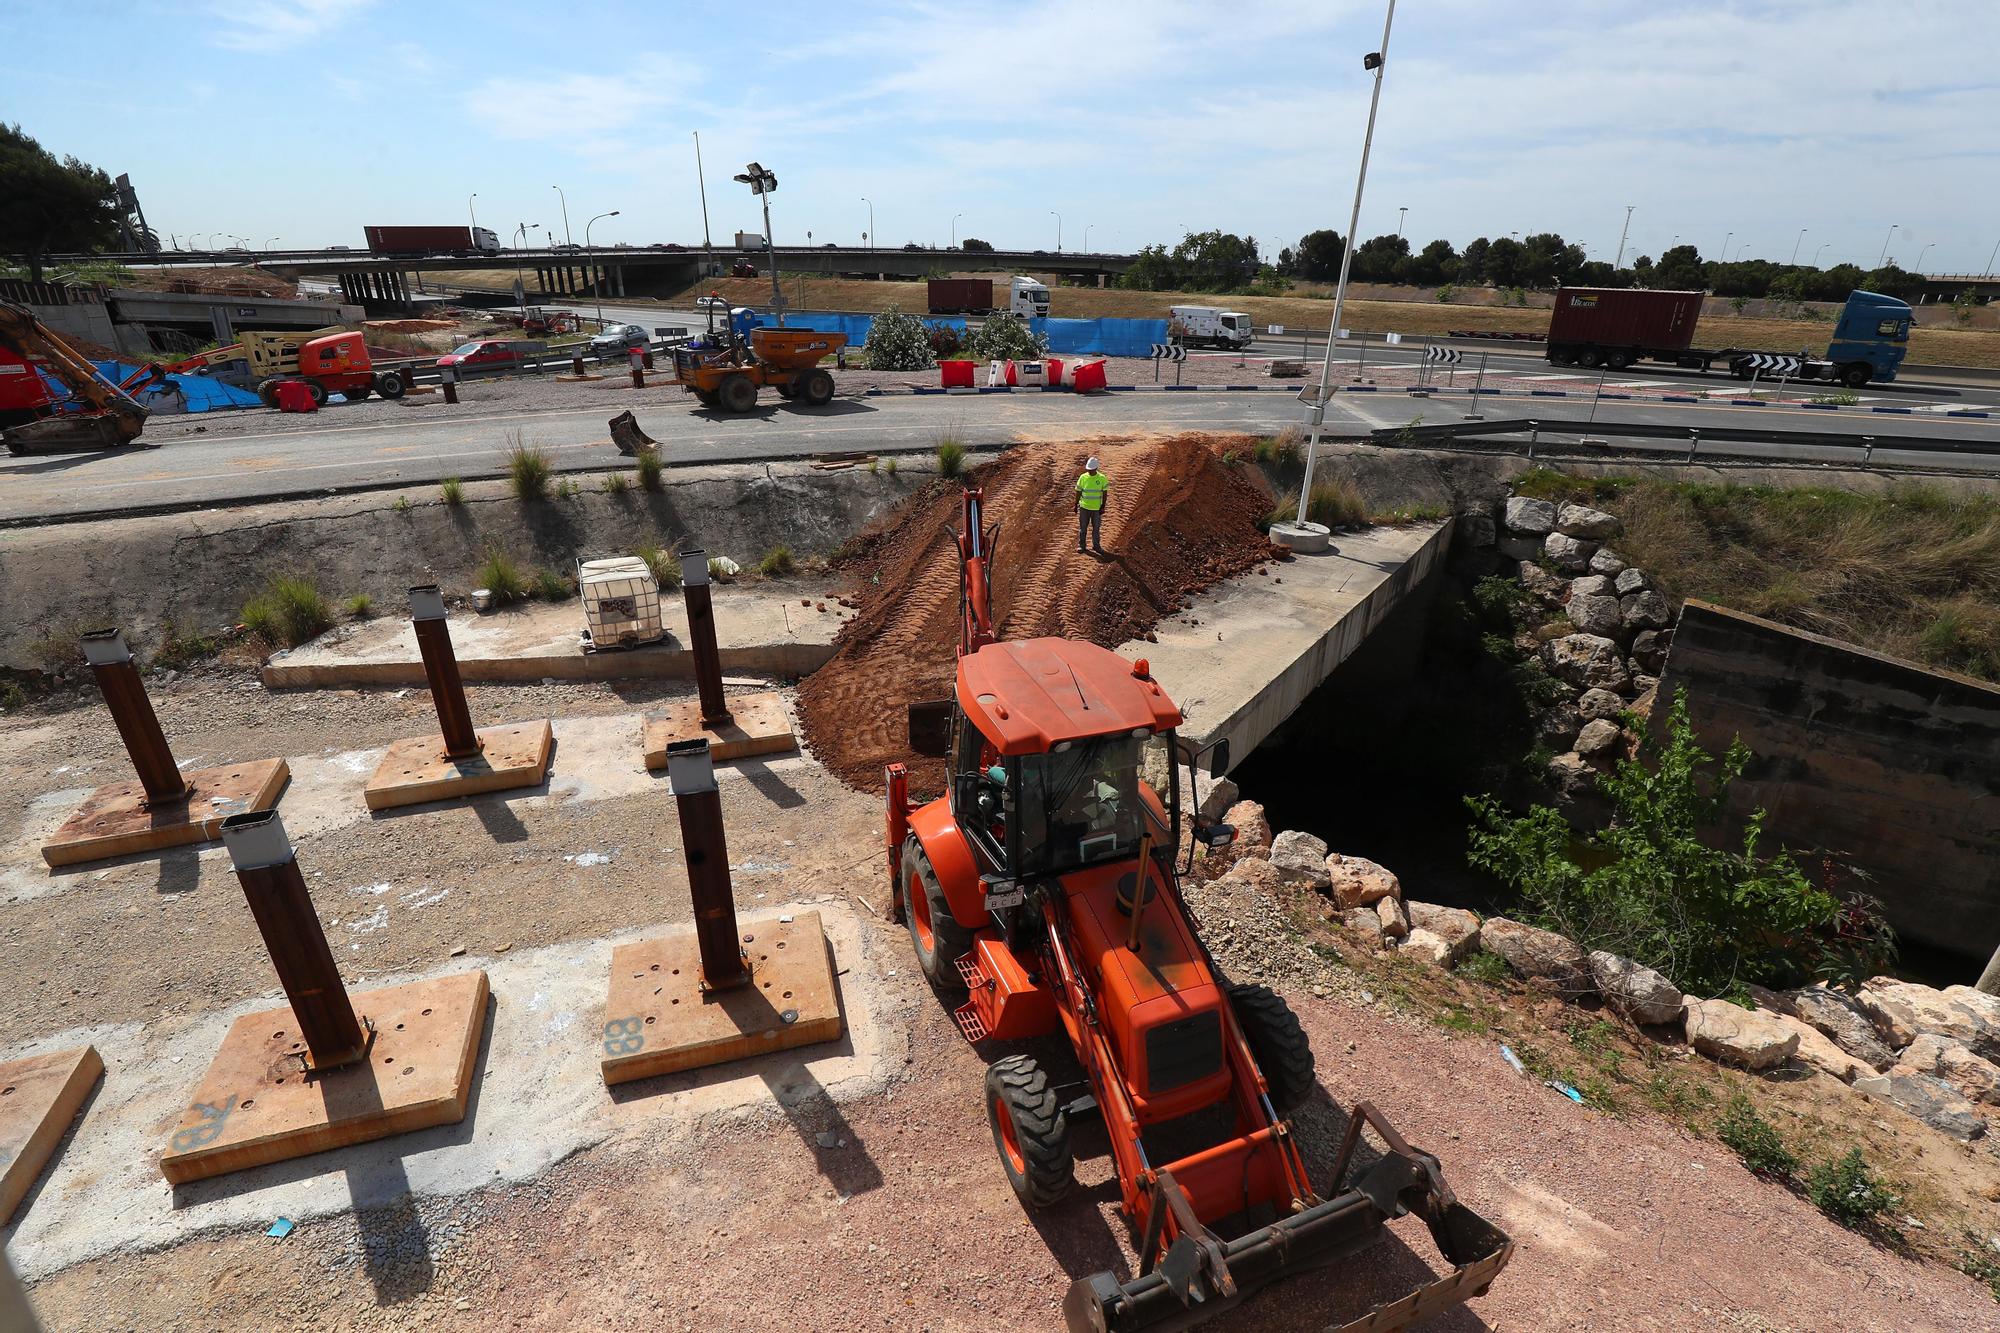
x=1027, y=299
x=1213, y=325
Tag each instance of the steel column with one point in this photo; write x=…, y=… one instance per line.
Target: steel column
x=276, y=892
x=701, y=638
x=427, y=616
x=723, y=962
x=118, y=680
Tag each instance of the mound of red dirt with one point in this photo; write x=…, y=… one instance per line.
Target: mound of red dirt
x=1179, y=520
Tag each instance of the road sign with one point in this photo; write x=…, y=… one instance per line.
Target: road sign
x=1392, y=338
x=1168, y=352
x=1771, y=363
x=1274, y=329
x=1449, y=356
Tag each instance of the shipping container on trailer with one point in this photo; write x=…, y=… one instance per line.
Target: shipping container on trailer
x=961, y=296
x=431, y=240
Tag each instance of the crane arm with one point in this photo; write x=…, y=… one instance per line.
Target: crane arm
x=27, y=337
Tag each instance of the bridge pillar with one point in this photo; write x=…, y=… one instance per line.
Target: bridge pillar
x=621, y=279
x=1100, y=280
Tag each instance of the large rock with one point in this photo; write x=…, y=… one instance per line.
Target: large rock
x=1591, y=585
x=1395, y=921
x=1558, y=727
x=1551, y=587
x=1364, y=922
x=1534, y=952
x=1449, y=933
x=1586, y=661
x=1645, y=610
x=1595, y=525
x=1930, y=1100
x=1519, y=548
x=1843, y=1021
x=1903, y=1010
x=1570, y=775
x=1631, y=581
x=1607, y=562
x=1569, y=553
x=1256, y=874
x=1598, y=738
x=1649, y=649
x=1941, y=1057
x=1635, y=990
x=1594, y=704
x=1476, y=529
x=1218, y=795
x=1358, y=882
x=1430, y=947
x=1738, y=1036
x=1253, y=831
x=1533, y=518
x=1819, y=1051
x=1596, y=615
x=1300, y=858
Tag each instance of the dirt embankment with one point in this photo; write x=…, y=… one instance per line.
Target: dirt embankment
x=1179, y=519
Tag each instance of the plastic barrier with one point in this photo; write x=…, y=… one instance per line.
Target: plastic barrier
x=1025, y=374
x=1088, y=377
x=955, y=374
x=296, y=396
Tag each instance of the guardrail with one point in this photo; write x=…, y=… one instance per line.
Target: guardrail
x=1695, y=436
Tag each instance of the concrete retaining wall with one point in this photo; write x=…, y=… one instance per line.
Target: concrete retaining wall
x=1891, y=764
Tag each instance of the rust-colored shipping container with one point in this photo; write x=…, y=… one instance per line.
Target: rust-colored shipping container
x=961, y=296
x=1636, y=320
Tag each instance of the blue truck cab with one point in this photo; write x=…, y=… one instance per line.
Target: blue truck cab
x=1871, y=339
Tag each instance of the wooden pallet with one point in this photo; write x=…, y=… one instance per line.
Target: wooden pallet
x=658, y=1019
x=418, y=770
x=256, y=1106
x=758, y=724
x=39, y=1096
x=114, y=820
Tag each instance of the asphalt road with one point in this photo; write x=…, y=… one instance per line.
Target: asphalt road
x=235, y=468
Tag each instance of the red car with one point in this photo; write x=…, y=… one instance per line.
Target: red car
x=485, y=354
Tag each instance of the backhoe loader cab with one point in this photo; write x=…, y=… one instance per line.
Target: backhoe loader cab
x=1041, y=892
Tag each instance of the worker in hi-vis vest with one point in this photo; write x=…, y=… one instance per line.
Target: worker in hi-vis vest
x=1091, y=488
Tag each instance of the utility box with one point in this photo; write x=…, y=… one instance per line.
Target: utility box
x=621, y=603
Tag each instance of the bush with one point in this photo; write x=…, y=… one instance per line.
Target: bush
x=1004, y=338
x=947, y=342
x=529, y=469
x=666, y=566
x=650, y=469
x=897, y=341
x=777, y=562
x=1754, y=1139
x=616, y=483
x=1286, y=449
x=360, y=606
x=950, y=457
x=1848, y=1192
x=499, y=575
x=1335, y=502
x=453, y=490
x=549, y=586
x=1480, y=965
x=1447, y=294
x=1659, y=885
x=290, y=611
x=178, y=651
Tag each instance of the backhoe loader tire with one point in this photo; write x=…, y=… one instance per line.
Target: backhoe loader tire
x=738, y=393
x=707, y=397
x=1030, y=1131
x=935, y=934
x=816, y=387
x=1278, y=1043
x=267, y=392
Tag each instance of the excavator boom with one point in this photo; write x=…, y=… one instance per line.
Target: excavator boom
x=110, y=419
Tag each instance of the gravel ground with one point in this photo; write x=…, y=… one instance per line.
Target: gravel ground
x=888, y=1213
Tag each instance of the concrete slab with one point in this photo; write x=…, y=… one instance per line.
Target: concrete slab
x=114, y=819
x=658, y=1020
x=39, y=1096
x=760, y=630
x=1258, y=645
x=758, y=724
x=256, y=1105
x=417, y=770
x=539, y=1099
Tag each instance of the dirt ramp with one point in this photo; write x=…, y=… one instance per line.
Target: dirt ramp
x=1179, y=519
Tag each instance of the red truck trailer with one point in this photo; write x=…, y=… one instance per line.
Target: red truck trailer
x=432, y=241
x=961, y=296
x=1615, y=326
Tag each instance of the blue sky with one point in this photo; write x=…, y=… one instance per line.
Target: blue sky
x=305, y=119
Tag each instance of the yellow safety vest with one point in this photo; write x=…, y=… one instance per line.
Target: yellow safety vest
x=1090, y=488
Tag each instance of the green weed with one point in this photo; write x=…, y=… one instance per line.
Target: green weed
x=1754, y=1139
x=499, y=575
x=777, y=562
x=360, y=606
x=290, y=611
x=453, y=491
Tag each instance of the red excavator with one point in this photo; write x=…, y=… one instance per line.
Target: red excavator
x=1042, y=894
x=101, y=416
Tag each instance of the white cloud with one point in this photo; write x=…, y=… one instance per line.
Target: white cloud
x=276, y=25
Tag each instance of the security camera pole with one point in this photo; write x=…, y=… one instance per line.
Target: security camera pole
x=1303, y=534
x=763, y=183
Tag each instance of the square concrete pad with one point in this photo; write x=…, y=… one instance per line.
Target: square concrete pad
x=113, y=820
x=418, y=770
x=758, y=724
x=256, y=1106
x=657, y=1019
x=39, y=1096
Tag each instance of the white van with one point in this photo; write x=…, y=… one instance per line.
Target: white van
x=1214, y=326
x=1027, y=299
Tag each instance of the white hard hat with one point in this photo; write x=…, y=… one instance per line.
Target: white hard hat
x=1090, y=463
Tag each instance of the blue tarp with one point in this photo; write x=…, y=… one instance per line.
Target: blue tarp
x=203, y=394
x=856, y=327
x=1101, y=337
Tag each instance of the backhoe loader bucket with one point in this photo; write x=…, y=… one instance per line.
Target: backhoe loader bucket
x=1201, y=1275
x=625, y=433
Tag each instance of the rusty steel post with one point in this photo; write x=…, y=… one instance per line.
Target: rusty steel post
x=427, y=616
x=450, y=378
x=701, y=638
x=118, y=680
x=576, y=364
x=269, y=874
x=692, y=774
x=647, y=358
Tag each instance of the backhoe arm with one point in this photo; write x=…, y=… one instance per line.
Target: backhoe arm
x=113, y=419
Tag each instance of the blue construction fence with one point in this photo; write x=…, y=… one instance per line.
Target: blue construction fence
x=1095, y=337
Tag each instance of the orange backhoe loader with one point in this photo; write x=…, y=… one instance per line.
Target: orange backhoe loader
x=105, y=416
x=1043, y=889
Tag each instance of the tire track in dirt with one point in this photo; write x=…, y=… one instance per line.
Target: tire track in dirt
x=1179, y=520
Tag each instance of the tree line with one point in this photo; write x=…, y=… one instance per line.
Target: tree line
x=1222, y=262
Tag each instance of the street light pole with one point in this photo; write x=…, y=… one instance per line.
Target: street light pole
x=954, y=229
x=871, y=220
x=1727, y=238
x=1058, y=217
x=1795, y=248
x=1622, y=234
x=1086, y=236
x=701, y=179
x=596, y=279
x=564, y=201
x=1991, y=257
x=1401, y=213
x=1303, y=532
x=1921, y=253
x=762, y=182
x=1817, y=253
x=1885, y=243
x=474, y=216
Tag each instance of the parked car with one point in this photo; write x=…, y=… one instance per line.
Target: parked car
x=483, y=354
x=618, y=338
x=711, y=303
